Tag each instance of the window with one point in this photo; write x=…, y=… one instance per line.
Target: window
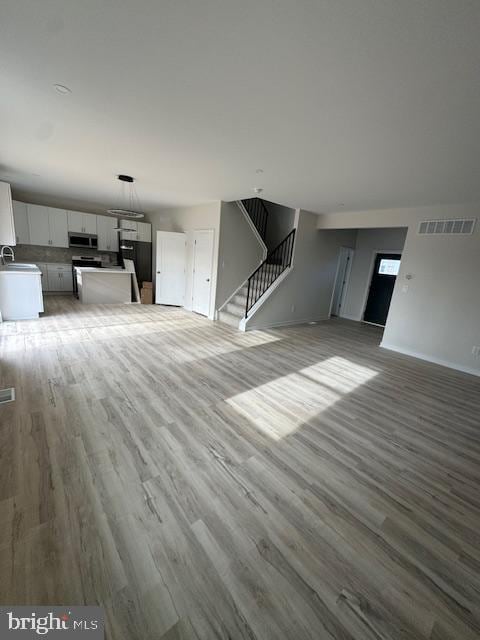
x=389, y=267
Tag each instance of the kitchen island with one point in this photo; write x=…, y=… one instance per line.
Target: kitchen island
x=103, y=286
x=20, y=291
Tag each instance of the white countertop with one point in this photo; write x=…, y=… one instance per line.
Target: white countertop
x=20, y=268
x=97, y=270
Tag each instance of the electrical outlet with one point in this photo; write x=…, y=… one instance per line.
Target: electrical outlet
x=476, y=352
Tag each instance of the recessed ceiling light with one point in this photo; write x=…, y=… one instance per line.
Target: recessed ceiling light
x=61, y=88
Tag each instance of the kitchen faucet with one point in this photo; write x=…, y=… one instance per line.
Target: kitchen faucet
x=2, y=254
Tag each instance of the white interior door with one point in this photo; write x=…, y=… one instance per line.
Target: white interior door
x=171, y=263
x=202, y=270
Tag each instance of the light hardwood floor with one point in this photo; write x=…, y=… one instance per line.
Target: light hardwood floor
x=198, y=482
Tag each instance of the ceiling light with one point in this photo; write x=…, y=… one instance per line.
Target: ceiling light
x=257, y=191
x=131, y=208
x=61, y=88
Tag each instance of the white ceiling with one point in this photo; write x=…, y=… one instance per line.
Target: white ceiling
x=360, y=103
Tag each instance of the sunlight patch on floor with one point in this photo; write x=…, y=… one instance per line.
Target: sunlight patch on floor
x=51, y=331
x=277, y=412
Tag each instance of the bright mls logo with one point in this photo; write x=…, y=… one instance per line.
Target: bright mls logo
x=84, y=623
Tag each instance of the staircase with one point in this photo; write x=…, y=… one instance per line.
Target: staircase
x=235, y=309
x=238, y=307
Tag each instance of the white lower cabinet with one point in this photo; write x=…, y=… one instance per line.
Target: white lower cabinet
x=57, y=277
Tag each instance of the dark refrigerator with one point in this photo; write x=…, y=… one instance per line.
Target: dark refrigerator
x=141, y=254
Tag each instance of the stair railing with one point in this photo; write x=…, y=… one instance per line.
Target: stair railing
x=258, y=213
x=271, y=268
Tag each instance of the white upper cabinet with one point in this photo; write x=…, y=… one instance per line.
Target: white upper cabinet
x=131, y=229
x=57, y=219
x=20, y=219
x=38, y=225
x=90, y=223
x=107, y=236
x=7, y=226
x=75, y=222
x=79, y=222
x=141, y=231
x=47, y=226
x=144, y=232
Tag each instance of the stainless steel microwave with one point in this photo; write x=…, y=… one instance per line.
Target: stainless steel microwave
x=82, y=240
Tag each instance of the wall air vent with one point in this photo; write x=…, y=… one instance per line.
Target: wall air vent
x=7, y=395
x=455, y=226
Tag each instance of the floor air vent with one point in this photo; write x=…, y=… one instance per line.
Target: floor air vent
x=455, y=226
x=7, y=395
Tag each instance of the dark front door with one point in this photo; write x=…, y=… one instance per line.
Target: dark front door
x=385, y=272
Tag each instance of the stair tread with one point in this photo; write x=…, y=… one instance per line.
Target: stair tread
x=229, y=318
x=235, y=309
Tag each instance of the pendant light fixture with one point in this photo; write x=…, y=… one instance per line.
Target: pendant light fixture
x=129, y=198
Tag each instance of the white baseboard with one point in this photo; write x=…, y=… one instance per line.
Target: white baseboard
x=428, y=358
x=345, y=316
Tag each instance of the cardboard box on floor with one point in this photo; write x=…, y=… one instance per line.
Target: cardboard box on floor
x=146, y=294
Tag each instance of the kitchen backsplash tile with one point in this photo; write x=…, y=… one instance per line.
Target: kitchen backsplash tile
x=35, y=253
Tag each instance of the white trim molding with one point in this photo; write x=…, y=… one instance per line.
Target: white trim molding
x=427, y=358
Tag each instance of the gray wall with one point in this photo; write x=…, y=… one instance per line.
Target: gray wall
x=436, y=314
x=240, y=253
x=368, y=242
x=280, y=222
x=305, y=294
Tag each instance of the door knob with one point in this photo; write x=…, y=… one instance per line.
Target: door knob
x=207, y=280
x=158, y=271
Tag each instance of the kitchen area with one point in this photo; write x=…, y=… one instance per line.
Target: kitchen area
x=94, y=258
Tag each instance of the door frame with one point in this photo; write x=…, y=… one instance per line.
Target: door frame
x=375, y=253
x=347, y=279
x=211, y=231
